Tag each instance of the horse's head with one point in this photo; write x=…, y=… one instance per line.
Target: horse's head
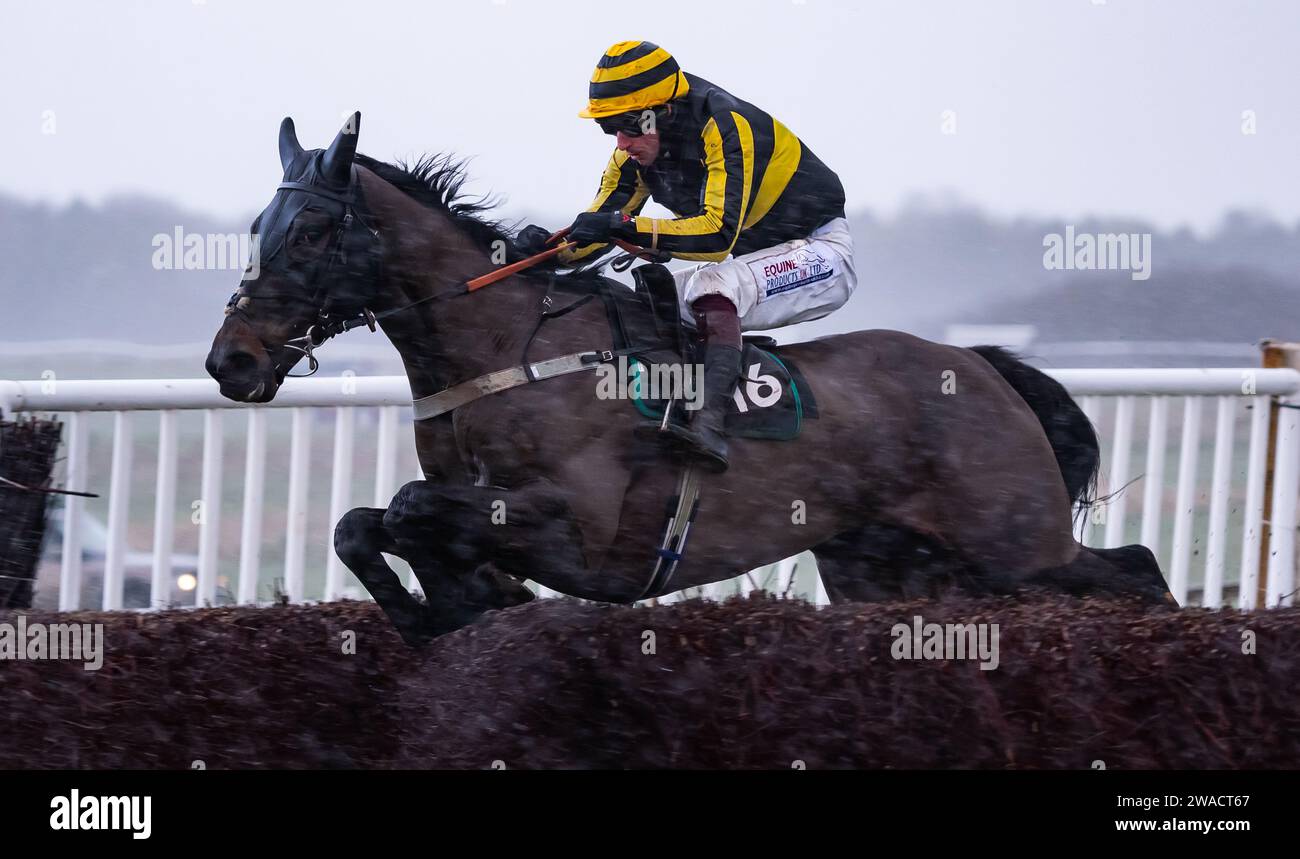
x=317, y=263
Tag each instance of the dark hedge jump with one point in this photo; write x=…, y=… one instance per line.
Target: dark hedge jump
x=757, y=683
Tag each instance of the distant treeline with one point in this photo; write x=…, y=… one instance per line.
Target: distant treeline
x=90, y=272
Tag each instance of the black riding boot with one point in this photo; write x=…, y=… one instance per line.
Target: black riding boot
x=705, y=438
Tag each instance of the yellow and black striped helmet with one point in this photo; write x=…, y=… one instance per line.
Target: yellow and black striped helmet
x=633, y=76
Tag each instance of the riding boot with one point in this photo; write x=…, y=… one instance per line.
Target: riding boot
x=705, y=438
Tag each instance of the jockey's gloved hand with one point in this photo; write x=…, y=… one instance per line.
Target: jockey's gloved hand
x=532, y=239
x=592, y=227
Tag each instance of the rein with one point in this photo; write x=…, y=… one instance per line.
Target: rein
x=329, y=325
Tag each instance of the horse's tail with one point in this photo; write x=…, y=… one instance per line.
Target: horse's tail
x=1068, y=429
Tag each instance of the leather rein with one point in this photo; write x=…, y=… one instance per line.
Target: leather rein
x=329, y=324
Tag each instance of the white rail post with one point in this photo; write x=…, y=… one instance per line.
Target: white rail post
x=1120, y=449
x=296, y=537
x=164, y=512
x=1185, y=506
x=1281, y=474
x=1253, y=514
x=386, y=460
x=119, y=507
x=250, y=531
x=340, y=498
x=386, y=457
x=210, y=506
x=1091, y=407
x=808, y=577
x=1220, y=489
x=1153, y=490
x=70, y=572
x=784, y=572
x=1286, y=486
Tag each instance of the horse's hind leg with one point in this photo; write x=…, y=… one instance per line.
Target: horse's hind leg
x=359, y=538
x=887, y=562
x=1142, y=571
x=882, y=561
x=1127, y=571
x=449, y=532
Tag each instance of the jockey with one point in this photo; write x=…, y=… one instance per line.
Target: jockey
x=761, y=215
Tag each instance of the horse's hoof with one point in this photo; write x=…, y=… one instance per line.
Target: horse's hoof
x=416, y=639
x=507, y=590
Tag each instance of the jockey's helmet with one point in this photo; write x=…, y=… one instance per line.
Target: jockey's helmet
x=633, y=76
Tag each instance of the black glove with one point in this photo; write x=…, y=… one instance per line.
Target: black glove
x=592, y=227
x=532, y=239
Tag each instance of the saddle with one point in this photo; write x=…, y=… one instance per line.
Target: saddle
x=666, y=370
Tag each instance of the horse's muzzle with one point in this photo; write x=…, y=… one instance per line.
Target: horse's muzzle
x=241, y=375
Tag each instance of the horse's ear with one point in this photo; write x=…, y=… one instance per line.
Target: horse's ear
x=289, y=147
x=337, y=163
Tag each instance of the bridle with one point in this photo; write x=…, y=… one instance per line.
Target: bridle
x=355, y=236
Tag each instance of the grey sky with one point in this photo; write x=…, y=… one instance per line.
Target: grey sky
x=1064, y=108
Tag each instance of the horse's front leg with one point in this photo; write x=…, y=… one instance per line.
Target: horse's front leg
x=447, y=532
x=359, y=538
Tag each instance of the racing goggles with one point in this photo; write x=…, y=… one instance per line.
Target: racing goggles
x=633, y=123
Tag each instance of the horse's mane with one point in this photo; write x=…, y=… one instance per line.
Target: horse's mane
x=437, y=181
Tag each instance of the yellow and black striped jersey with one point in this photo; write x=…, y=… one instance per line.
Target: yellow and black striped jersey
x=736, y=179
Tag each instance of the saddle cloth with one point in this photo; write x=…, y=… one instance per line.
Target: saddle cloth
x=772, y=399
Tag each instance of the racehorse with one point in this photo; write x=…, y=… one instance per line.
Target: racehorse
x=930, y=466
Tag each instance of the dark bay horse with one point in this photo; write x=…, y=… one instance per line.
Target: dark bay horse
x=930, y=467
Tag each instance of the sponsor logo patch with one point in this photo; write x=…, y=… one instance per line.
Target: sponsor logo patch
x=800, y=268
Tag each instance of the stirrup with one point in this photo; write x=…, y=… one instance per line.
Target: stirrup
x=656, y=432
x=648, y=431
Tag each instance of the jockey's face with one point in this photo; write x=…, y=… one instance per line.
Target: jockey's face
x=644, y=148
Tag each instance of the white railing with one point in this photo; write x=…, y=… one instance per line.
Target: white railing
x=1126, y=405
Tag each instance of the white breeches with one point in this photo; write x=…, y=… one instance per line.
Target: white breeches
x=792, y=282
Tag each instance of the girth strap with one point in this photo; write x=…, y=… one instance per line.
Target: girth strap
x=503, y=380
